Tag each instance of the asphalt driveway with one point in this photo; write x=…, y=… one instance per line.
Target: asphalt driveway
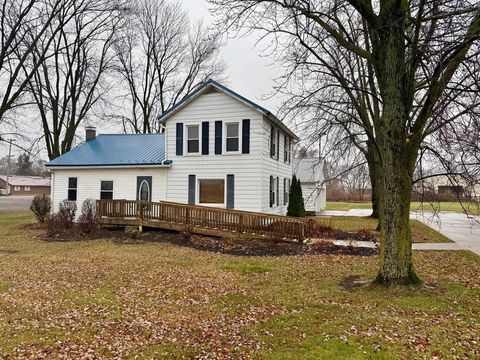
x=15, y=203
x=463, y=230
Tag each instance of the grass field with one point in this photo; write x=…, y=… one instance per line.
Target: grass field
x=110, y=299
x=421, y=233
x=471, y=208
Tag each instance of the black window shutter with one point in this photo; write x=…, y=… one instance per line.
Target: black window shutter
x=230, y=191
x=191, y=189
x=205, y=135
x=271, y=191
x=278, y=144
x=272, y=139
x=179, y=139
x=278, y=192
x=218, y=138
x=284, y=191
x=246, y=136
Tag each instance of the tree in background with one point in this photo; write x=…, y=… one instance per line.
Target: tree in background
x=161, y=58
x=71, y=81
x=413, y=61
x=24, y=165
x=296, y=206
x=24, y=25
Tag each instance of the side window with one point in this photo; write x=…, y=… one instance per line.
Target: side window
x=273, y=142
x=106, y=190
x=287, y=149
x=26, y=188
x=286, y=191
x=193, y=139
x=72, y=189
x=272, y=191
x=232, y=137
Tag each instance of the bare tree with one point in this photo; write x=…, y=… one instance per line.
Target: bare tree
x=161, y=58
x=71, y=81
x=417, y=56
x=24, y=25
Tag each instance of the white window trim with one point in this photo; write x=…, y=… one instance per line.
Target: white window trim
x=17, y=188
x=100, y=188
x=197, y=191
x=224, y=140
x=26, y=188
x=185, y=140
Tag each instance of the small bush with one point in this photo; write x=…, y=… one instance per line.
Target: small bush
x=88, y=218
x=41, y=206
x=186, y=234
x=55, y=226
x=67, y=211
x=322, y=231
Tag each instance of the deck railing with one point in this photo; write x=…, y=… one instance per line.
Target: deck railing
x=245, y=222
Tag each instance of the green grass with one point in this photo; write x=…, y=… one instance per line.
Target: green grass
x=444, y=206
x=158, y=300
x=421, y=233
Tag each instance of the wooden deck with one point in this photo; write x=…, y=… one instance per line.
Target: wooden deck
x=200, y=219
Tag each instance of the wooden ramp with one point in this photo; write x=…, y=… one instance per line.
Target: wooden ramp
x=200, y=219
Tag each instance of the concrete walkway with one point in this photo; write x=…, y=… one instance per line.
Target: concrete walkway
x=416, y=246
x=463, y=230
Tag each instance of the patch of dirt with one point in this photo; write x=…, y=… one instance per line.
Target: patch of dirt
x=353, y=282
x=257, y=247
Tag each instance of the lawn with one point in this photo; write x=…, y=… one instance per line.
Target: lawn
x=471, y=208
x=421, y=233
x=115, y=299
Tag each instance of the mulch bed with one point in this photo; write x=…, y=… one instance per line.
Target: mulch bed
x=251, y=247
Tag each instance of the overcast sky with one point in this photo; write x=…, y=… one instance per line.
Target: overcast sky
x=249, y=74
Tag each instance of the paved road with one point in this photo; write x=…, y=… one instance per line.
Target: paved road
x=463, y=230
x=15, y=203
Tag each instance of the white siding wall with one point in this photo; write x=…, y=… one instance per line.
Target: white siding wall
x=213, y=107
x=124, y=183
x=275, y=168
x=314, y=197
x=252, y=171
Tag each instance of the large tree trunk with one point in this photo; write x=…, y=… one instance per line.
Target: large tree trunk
x=397, y=152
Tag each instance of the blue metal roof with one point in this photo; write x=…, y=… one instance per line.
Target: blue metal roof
x=116, y=150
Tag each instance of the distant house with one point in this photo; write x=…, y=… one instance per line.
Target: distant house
x=219, y=149
x=310, y=173
x=26, y=185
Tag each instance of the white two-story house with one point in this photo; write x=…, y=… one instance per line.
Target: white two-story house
x=218, y=149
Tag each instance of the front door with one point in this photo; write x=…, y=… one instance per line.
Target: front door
x=144, y=188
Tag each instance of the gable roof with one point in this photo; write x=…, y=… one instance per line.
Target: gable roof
x=16, y=180
x=116, y=150
x=203, y=88
x=308, y=170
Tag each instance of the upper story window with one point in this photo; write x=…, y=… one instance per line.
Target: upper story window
x=106, y=190
x=72, y=189
x=287, y=149
x=273, y=142
x=193, y=139
x=232, y=137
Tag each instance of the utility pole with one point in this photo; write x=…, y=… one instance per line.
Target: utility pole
x=7, y=185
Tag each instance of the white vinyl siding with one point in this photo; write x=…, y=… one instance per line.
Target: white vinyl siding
x=246, y=168
x=89, y=183
x=273, y=167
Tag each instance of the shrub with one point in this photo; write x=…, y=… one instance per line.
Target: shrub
x=67, y=211
x=41, y=206
x=296, y=206
x=88, y=218
x=63, y=220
